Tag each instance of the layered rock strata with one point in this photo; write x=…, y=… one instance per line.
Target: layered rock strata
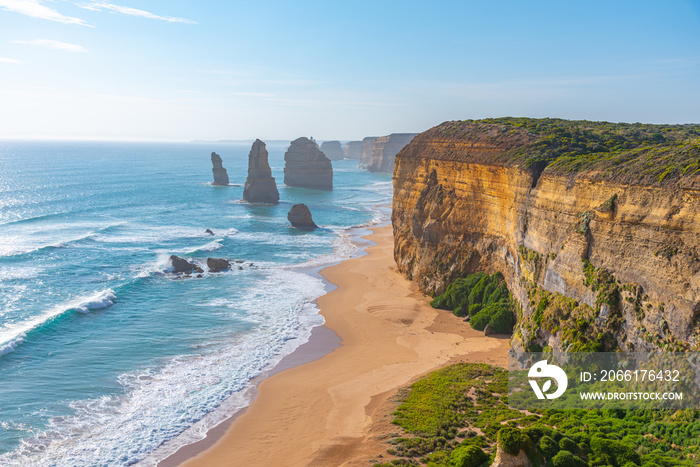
x=366, y=150
x=353, y=150
x=220, y=175
x=260, y=186
x=333, y=150
x=300, y=217
x=461, y=206
x=384, y=149
x=307, y=167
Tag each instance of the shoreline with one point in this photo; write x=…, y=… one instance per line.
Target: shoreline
x=321, y=341
x=319, y=411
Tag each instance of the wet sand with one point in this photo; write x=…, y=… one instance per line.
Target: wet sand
x=335, y=411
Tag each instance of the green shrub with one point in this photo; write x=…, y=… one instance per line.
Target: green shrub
x=500, y=317
x=614, y=452
x=477, y=293
x=566, y=459
x=480, y=320
x=474, y=309
x=467, y=456
x=511, y=440
x=480, y=295
x=567, y=444
x=549, y=447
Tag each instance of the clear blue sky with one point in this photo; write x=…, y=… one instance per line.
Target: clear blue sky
x=182, y=70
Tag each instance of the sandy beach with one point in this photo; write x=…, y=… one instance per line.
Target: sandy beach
x=333, y=411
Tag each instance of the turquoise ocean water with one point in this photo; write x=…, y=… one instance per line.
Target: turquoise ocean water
x=104, y=356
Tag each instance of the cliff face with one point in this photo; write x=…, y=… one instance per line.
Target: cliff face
x=260, y=186
x=384, y=149
x=306, y=166
x=220, y=175
x=333, y=150
x=630, y=252
x=366, y=150
x=353, y=150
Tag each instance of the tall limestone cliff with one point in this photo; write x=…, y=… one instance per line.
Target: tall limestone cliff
x=353, y=150
x=366, y=150
x=595, y=226
x=260, y=186
x=306, y=166
x=220, y=175
x=333, y=150
x=384, y=149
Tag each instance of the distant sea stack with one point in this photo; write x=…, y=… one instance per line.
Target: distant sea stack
x=307, y=167
x=333, y=150
x=384, y=149
x=220, y=175
x=300, y=217
x=366, y=151
x=260, y=186
x=353, y=150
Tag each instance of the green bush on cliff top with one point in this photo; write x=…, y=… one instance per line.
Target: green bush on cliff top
x=485, y=298
x=635, y=151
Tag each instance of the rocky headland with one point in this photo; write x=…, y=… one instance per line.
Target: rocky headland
x=353, y=150
x=260, y=186
x=220, y=175
x=384, y=149
x=366, y=150
x=300, y=217
x=333, y=150
x=307, y=167
x=595, y=226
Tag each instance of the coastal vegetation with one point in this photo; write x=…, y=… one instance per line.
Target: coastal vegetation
x=458, y=416
x=645, y=153
x=483, y=298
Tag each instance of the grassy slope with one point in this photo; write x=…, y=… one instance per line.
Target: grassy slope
x=466, y=404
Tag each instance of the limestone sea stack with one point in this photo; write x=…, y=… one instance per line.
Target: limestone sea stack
x=260, y=186
x=333, y=150
x=300, y=217
x=307, y=167
x=353, y=150
x=220, y=175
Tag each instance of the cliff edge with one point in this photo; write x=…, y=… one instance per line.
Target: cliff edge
x=595, y=226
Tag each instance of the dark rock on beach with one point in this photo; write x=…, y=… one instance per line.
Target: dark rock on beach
x=217, y=264
x=182, y=266
x=300, y=217
x=307, y=167
x=220, y=175
x=208, y=231
x=260, y=186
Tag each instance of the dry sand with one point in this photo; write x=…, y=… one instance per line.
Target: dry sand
x=335, y=411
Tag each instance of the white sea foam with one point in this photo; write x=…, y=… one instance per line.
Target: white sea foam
x=13, y=334
x=211, y=246
x=140, y=234
x=183, y=398
x=8, y=347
